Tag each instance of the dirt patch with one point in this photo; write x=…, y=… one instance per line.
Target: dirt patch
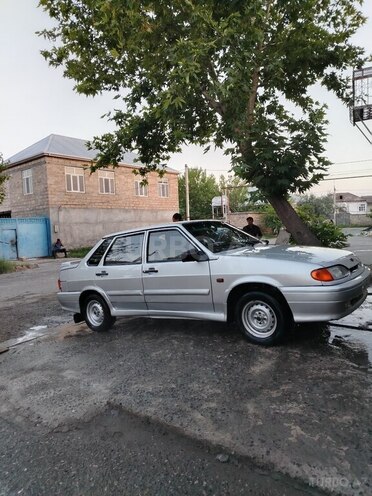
x=25, y=266
x=18, y=315
x=74, y=330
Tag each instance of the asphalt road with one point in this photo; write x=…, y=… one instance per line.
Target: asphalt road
x=177, y=407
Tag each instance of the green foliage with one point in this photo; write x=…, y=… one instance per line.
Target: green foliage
x=271, y=219
x=317, y=205
x=3, y=178
x=185, y=70
x=325, y=230
x=237, y=191
x=79, y=252
x=6, y=266
x=223, y=73
x=202, y=188
x=257, y=202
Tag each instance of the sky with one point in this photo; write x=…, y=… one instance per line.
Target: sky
x=36, y=101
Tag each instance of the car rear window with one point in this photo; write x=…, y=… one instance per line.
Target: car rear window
x=100, y=251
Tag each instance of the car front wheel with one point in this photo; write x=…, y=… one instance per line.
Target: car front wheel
x=261, y=318
x=97, y=314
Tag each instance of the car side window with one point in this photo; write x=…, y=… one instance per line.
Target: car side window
x=125, y=250
x=167, y=246
x=98, y=254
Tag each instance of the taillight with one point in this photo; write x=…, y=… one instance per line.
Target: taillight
x=59, y=285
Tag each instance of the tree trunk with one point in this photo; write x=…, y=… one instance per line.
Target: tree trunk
x=293, y=223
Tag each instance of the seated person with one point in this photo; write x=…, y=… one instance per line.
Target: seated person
x=58, y=248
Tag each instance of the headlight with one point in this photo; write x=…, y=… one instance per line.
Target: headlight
x=330, y=274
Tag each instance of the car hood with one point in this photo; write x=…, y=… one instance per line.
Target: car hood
x=308, y=254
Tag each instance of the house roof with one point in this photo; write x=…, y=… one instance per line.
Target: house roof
x=64, y=146
x=368, y=199
x=348, y=197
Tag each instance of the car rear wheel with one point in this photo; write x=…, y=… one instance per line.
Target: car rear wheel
x=261, y=318
x=97, y=314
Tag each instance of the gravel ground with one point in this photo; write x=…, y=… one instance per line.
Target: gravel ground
x=16, y=318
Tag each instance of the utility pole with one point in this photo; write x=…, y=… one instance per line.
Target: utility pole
x=334, y=203
x=187, y=192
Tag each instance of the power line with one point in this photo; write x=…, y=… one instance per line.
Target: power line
x=352, y=162
x=348, y=177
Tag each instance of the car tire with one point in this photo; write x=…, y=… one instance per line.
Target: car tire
x=97, y=314
x=262, y=318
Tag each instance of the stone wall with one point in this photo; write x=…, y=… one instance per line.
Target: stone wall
x=360, y=220
x=239, y=219
x=124, y=196
x=84, y=227
x=29, y=205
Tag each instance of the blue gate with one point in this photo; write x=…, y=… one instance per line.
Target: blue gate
x=24, y=238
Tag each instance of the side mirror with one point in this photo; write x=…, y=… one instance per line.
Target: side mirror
x=195, y=255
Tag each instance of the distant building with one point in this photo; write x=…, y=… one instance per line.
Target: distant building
x=353, y=209
x=51, y=179
x=351, y=204
x=368, y=199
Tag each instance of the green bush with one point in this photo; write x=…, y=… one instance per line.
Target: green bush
x=79, y=252
x=328, y=234
x=324, y=229
x=6, y=266
x=271, y=220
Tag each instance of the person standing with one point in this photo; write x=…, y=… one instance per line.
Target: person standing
x=252, y=229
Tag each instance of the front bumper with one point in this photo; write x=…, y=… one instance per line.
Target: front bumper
x=328, y=302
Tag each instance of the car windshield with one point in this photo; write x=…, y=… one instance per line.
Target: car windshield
x=218, y=236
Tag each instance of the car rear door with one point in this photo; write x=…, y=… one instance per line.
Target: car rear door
x=173, y=286
x=120, y=273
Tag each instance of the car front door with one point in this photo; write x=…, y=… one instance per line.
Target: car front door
x=174, y=283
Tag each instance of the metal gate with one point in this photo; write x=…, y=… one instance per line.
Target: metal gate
x=9, y=244
x=24, y=238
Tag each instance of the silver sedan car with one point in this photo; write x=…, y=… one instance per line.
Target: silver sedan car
x=211, y=270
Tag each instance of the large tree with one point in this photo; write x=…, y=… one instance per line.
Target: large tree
x=318, y=205
x=213, y=72
x=3, y=178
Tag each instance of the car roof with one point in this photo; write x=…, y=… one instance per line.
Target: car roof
x=159, y=226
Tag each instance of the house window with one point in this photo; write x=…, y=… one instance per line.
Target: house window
x=163, y=188
x=27, y=182
x=362, y=207
x=140, y=189
x=74, y=180
x=106, y=182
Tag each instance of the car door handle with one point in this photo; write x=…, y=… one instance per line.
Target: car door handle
x=102, y=273
x=150, y=270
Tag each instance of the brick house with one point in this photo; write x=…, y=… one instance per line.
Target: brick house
x=52, y=179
